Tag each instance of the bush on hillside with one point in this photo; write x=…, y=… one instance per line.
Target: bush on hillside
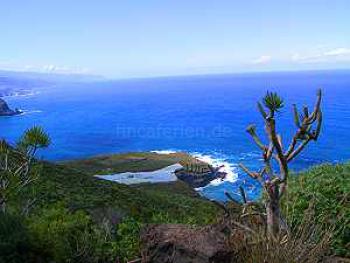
x=63, y=236
x=74, y=237
x=15, y=245
x=328, y=186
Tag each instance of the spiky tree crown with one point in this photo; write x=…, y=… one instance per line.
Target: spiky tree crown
x=34, y=137
x=272, y=101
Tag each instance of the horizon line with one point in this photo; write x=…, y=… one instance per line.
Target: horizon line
x=108, y=78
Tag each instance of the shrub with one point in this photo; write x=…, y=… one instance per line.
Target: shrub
x=15, y=243
x=63, y=236
x=329, y=187
x=128, y=239
x=74, y=237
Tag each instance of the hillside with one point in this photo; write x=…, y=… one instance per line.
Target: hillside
x=73, y=183
x=327, y=188
x=106, y=218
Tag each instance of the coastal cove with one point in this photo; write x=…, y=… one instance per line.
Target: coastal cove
x=150, y=168
x=205, y=116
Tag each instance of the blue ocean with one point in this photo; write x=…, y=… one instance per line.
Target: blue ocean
x=203, y=115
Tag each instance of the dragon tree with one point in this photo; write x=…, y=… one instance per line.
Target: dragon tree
x=274, y=180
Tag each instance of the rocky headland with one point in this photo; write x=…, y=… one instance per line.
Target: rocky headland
x=6, y=111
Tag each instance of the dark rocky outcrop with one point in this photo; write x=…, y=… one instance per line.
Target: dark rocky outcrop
x=199, y=175
x=6, y=111
x=170, y=243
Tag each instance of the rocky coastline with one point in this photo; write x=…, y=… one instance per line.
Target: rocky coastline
x=199, y=174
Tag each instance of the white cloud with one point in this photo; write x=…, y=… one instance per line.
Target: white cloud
x=262, y=60
x=330, y=55
x=62, y=69
x=49, y=68
x=338, y=52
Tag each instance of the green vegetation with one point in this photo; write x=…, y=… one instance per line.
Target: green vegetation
x=15, y=243
x=81, y=191
x=128, y=162
x=77, y=217
x=328, y=188
x=65, y=214
x=18, y=169
x=273, y=101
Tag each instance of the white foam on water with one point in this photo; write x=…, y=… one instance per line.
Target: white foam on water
x=164, y=151
x=227, y=167
x=26, y=112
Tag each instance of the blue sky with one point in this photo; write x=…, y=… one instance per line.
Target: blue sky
x=153, y=38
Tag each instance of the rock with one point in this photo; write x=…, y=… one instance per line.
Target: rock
x=6, y=111
x=202, y=175
x=168, y=243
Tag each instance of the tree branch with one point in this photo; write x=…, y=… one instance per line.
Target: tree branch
x=244, y=196
x=252, y=131
x=281, y=158
x=317, y=107
x=298, y=150
x=296, y=116
x=262, y=111
x=254, y=175
x=292, y=145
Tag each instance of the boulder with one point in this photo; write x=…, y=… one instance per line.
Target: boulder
x=172, y=243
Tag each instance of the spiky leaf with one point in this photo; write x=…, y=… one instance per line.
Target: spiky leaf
x=272, y=101
x=34, y=137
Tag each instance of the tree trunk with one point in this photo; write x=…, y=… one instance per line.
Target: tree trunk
x=273, y=216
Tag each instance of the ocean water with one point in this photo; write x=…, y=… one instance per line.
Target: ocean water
x=202, y=115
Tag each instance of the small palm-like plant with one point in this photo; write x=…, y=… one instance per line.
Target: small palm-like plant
x=18, y=169
x=32, y=140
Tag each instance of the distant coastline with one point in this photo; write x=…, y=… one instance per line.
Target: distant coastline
x=16, y=93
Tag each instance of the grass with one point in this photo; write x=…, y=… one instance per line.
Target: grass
x=306, y=243
x=128, y=162
x=328, y=188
